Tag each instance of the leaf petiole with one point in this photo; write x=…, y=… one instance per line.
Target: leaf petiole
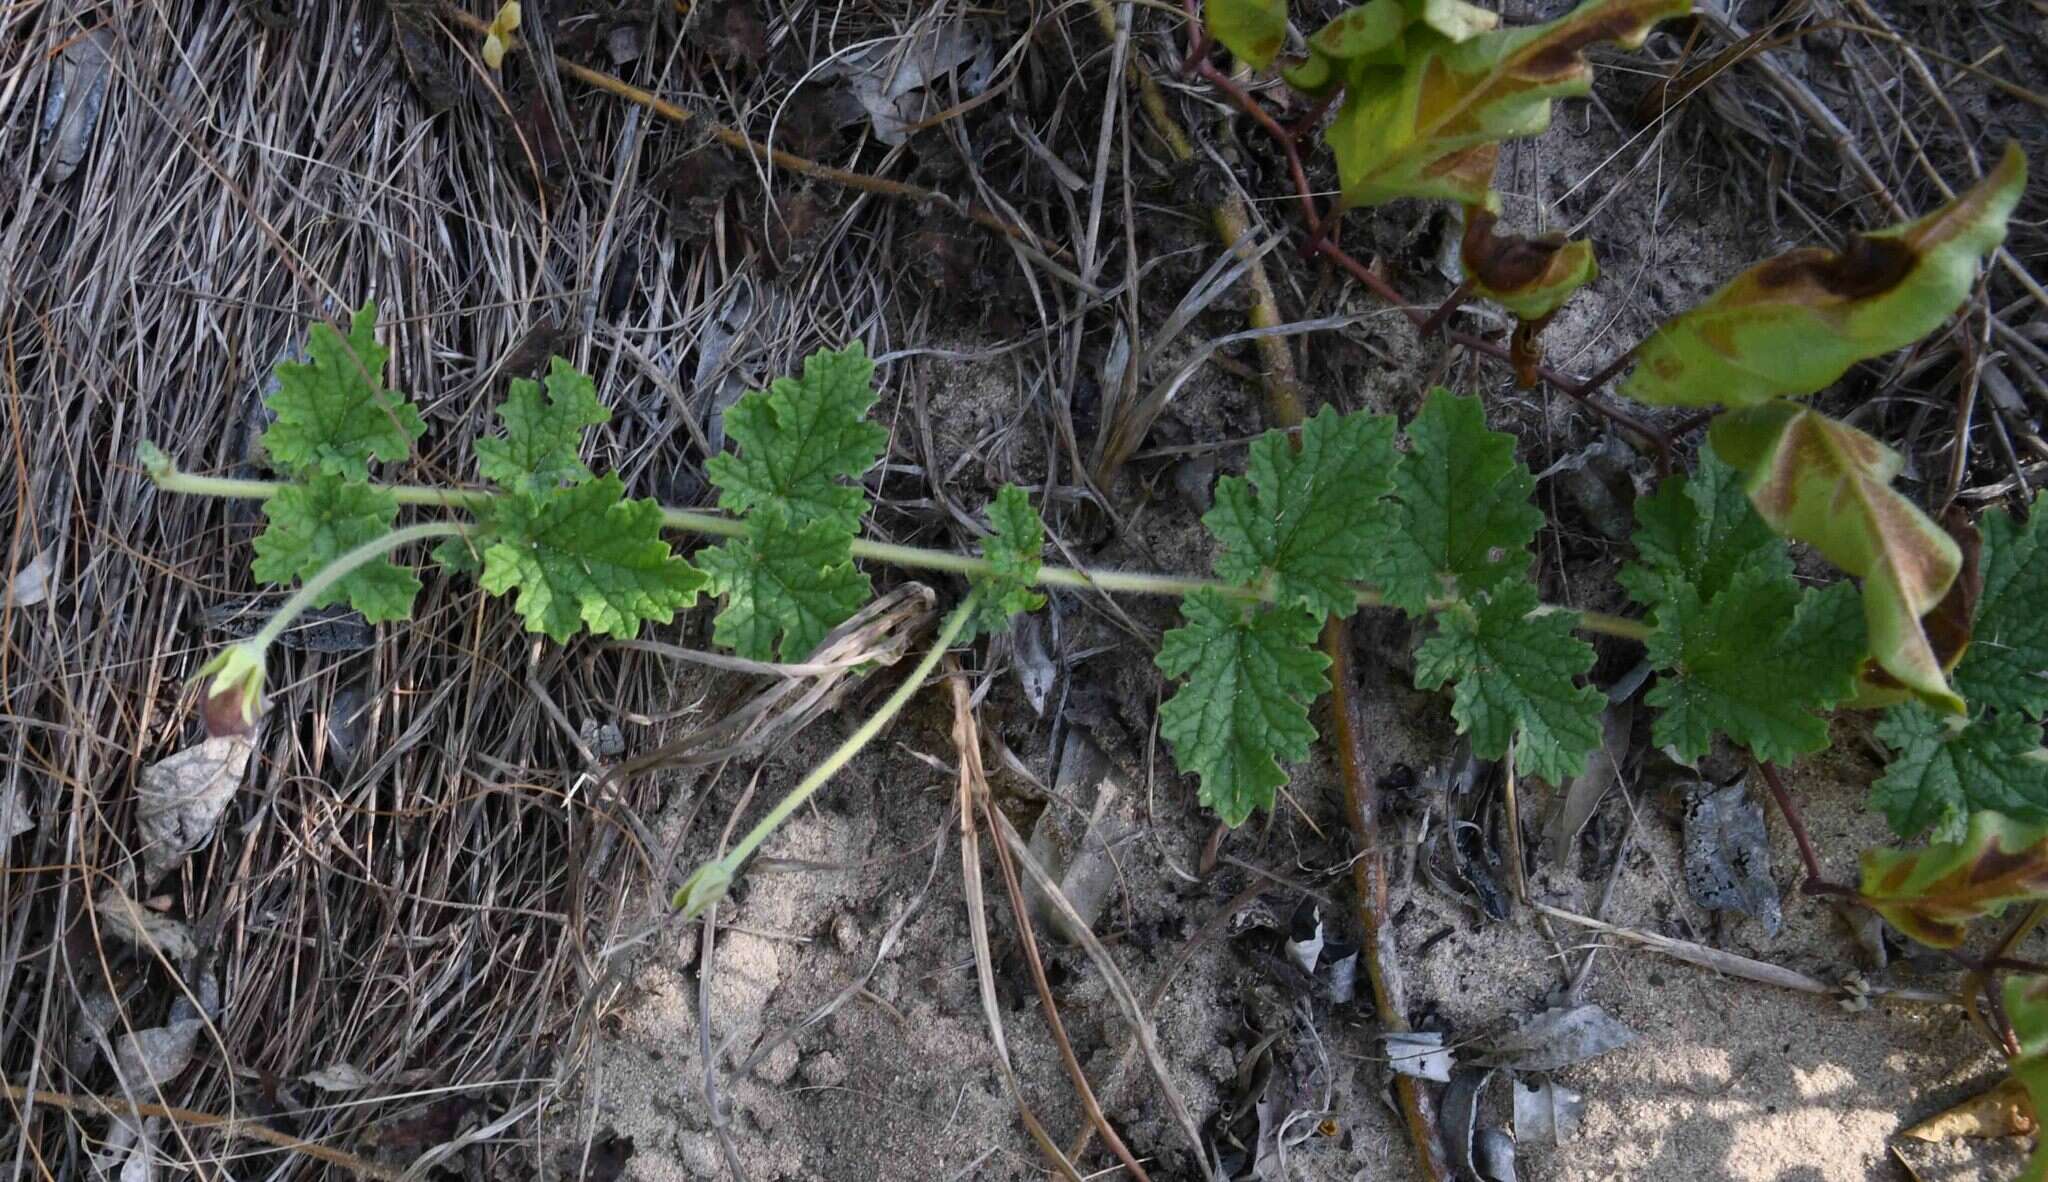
x=310, y=591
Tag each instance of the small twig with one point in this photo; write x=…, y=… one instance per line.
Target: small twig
x=1816, y=883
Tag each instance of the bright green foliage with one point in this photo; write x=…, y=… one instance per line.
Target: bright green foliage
x=334, y=414
x=800, y=438
x=1932, y=894
x=1943, y=768
x=314, y=523
x=585, y=557
x=1794, y=324
x=1252, y=670
x=1462, y=520
x=539, y=450
x=2006, y=665
x=2026, y=1007
x=1753, y=664
x=1254, y=30
x=1515, y=676
x=1302, y=527
x=1701, y=530
x=785, y=586
x=1015, y=538
x=1454, y=19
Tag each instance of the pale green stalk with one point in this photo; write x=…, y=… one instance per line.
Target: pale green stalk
x=334, y=572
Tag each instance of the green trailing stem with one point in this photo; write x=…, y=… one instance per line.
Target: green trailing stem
x=913, y=557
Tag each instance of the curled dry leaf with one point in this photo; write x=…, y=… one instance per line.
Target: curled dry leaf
x=182, y=797
x=1559, y=1038
x=1826, y=483
x=77, y=93
x=1420, y=1054
x=1728, y=853
x=1546, y=1112
x=2002, y=1111
x=146, y=1060
x=131, y=923
x=1531, y=277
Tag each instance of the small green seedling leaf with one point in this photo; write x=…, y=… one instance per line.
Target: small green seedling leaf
x=1433, y=127
x=2026, y=1007
x=1932, y=894
x=1795, y=324
x=1016, y=537
x=1515, y=676
x=333, y=413
x=1461, y=520
x=1530, y=277
x=1944, y=768
x=1753, y=664
x=586, y=557
x=1254, y=30
x=800, y=438
x=314, y=523
x=1302, y=527
x=538, y=452
x=785, y=586
x=1252, y=670
x=2006, y=665
x=1826, y=483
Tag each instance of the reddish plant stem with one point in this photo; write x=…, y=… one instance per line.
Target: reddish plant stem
x=1816, y=883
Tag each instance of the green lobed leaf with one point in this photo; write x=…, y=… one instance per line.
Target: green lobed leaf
x=1461, y=520
x=539, y=450
x=585, y=557
x=314, y=523
x=1796, y=323
x=1753, y=664
x=1944, y=768
x=1252, y=671
x=1304, y=527
x=2026, y=1007
x=1016, y=537
x=785, y=586
x=2006, y=665
x=1432, y=126
x=1254, y=30
x=1932, y=894
x=1515, y=675
x=333, y=413
x=800, y=438
x=1701, y=530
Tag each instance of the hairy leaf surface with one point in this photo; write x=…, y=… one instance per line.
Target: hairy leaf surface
x=586, y=557
x=1795, y=324
x=333, y=413
x=1932, y=894
x=800, y=438
x=1252, y=671
x=1515, y=675
x=785, y=586
x=539, y=450
x=1013, y=545
x=1702, y=530
x=314, y=523
x=1943, y=768
x=2006, y=665
x=1304, y=526
x=1461, y=520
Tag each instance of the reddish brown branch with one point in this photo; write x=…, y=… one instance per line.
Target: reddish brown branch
x=1816, y=883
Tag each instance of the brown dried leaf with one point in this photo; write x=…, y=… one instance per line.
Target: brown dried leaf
x=2003, y=1111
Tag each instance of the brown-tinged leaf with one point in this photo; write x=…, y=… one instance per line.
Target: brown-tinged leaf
x=1796, y=323
x=1824, y=482
x=1531, y=277
x=181, y=798
x=2002, y=1111
x=1932, y=894
x=1948, y=626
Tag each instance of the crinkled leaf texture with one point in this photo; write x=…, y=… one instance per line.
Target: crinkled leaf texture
x=1702, y=530
x=785, y=586
x=1796, y=323
x=1013, y=545
x=1254, y=30
x=2026, y=1007
x=800, y=438
x=1252, y=671
x=539, y=450
x=1515, y=681
x=312, y=524
x=1530, y=277
x=1932, y=894
x=1826, y=483
x=2006, y=665
x=1461, y=520
x=333, y=413
x=585, y=557
x=1944, y=768
x=1430, y=124
x=1303, y=527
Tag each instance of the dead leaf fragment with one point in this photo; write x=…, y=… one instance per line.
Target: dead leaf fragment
x=133, y=924
x=150, y=1059
x=77, y=92
x=31, y=584
x=1420, y=1054
x=182, y=797
x=1546, y=1112
x=1559, y=1038
x=339, y=1077
x=2003, y=1111
x=1728, y=853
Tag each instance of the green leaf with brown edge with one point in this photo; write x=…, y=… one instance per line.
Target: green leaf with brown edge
x=1453, y=18
x=1432, y=127
x=1254, y=30
x=1932, y=894
x=1796, y=323
x=1530, y=277
x=1824, y=482
x=1368, y=35
x=2026, y=1007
